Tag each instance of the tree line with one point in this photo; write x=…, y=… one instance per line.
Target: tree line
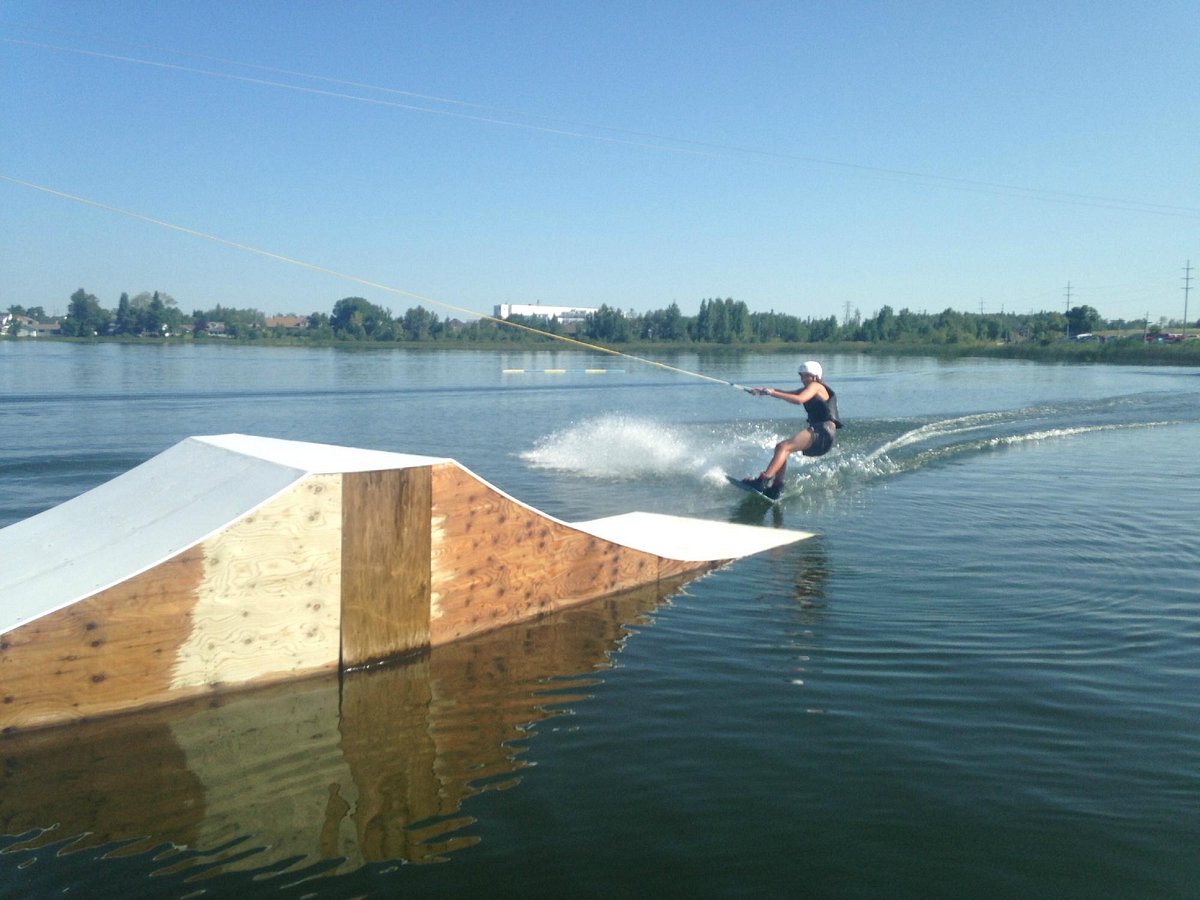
x=718, y=321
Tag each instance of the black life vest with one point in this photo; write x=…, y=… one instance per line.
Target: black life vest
x=822, y=410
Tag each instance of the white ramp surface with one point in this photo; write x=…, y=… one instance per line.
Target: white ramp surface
x=698, y=540
x=126, y=525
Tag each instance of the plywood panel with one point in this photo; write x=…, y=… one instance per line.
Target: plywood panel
x=495, y=561
x=267, y=606
x=385, y=563
x=256, y=602
x=113, y=651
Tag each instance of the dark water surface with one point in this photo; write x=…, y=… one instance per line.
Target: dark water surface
x=982, y=678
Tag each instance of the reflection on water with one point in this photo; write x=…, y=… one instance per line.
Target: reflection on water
x=811, y=575
x=374, y=768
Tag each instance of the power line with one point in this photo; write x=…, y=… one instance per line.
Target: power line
x=618, y=135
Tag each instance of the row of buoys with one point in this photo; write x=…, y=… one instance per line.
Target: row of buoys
x=561, y=371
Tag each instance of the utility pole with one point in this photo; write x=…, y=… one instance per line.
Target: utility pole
x=1187, y=287
x=1068, y=310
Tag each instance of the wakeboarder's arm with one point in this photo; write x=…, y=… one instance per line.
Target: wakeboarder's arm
x=797, y=397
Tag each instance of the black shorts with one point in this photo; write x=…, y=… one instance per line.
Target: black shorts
x=824, y=435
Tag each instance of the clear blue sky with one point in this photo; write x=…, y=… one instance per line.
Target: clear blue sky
x=799, y=156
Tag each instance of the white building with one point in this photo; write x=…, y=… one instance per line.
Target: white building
x=560, y=314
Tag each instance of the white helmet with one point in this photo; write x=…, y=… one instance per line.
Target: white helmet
x=811, y=367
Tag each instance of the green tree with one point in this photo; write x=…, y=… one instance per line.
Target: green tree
x=418, y=324
x=152, y=318
x=145, y=298
x=821, y=330
x=949, y=327
x=1083, y=320
x=85, y=316
x=356, y=318
x=126, y=318
x=739, y=321
x=607, y=324
x=722, y=321
x=673, y=328
x=318, y=327
x=719, y=327
x=885, y=325
x=663, y=325
x=36, y=313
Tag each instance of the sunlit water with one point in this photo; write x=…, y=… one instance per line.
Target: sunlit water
x=982, y=678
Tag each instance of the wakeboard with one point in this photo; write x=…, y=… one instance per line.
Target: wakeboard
x=750, y=489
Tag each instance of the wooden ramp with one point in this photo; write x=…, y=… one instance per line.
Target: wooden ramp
x=229, y=561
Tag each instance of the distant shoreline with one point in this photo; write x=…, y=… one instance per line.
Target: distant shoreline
x=1114, y=352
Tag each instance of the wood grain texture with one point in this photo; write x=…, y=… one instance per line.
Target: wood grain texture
x=385, y=563
x=113, y=651
x=257, y=602
x=267, y=607
x=496, y=562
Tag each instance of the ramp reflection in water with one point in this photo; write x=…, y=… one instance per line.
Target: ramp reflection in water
x=377, y=768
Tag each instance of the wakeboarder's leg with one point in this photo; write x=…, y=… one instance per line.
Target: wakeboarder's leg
x=795, y=444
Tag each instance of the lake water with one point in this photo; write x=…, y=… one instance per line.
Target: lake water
x=981, y=678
